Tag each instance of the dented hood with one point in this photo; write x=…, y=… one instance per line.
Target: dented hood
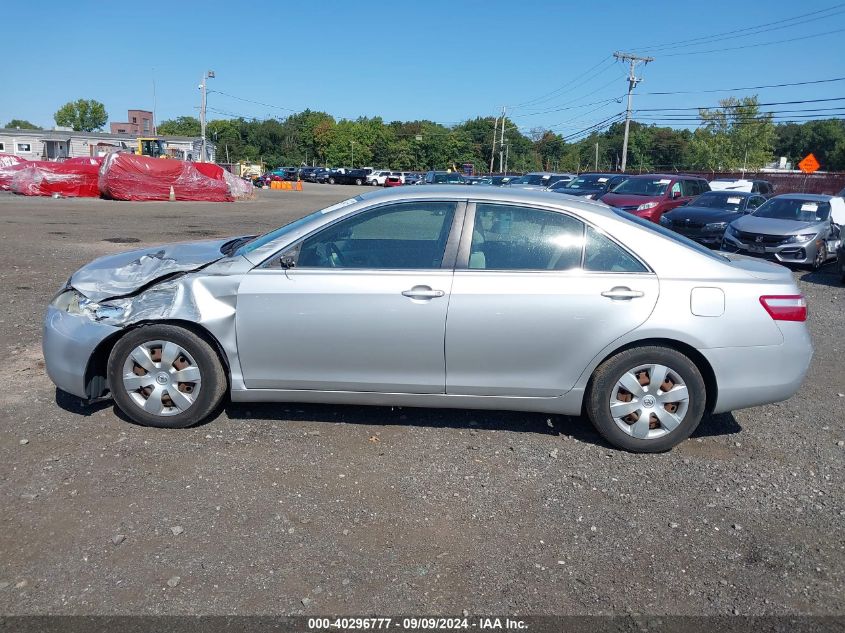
x=125, y=273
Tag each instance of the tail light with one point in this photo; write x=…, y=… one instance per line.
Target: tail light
x=785, y=307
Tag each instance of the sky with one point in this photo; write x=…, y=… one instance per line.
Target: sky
x=549, y=62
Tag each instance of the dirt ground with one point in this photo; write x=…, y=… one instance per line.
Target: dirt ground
x=286, y=509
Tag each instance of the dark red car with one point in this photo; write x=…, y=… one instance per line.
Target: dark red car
x=651, y=195
x=393, y=181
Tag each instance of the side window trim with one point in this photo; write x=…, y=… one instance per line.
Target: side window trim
x=449, y=254
x=465, y=246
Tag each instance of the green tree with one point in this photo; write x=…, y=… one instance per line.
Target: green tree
x=824, y=138
x=180, y=126
x=83, y=115
x=734, y=136
x=22, y=124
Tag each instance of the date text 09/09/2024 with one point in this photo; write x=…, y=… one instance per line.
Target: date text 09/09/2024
x=415, y=624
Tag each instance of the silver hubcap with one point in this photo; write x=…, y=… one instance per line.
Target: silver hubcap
x=161, y=378
x=649, y=401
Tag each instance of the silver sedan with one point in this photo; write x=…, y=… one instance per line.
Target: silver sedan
x=438, y=297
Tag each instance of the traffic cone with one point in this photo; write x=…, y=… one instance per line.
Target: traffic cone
x=172, y=197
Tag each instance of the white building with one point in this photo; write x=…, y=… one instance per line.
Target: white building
x=61, y=143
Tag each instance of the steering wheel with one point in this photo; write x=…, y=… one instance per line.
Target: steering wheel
x=335, y=256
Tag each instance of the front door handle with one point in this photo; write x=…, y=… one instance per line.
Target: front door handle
x=422, y=292
x=622, y=293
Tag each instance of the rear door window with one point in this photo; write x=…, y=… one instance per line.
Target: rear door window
x=507, y=237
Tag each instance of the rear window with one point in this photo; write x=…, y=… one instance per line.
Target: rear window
x=675, y=237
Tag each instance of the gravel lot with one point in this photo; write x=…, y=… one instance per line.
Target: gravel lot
x=285, y=509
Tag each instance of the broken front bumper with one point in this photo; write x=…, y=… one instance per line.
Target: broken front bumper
x=68, y=343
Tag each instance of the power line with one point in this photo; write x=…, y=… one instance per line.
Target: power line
x=681, y=116
x=771, y=43
x=742, y=105
x=266, y=105
x=547, y=96
x=737, y=31
x=784, y=85
x=583, y=105
x=757, y=31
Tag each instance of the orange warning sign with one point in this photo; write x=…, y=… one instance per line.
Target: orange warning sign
x=809, y=164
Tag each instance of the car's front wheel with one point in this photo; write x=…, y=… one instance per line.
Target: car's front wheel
x=646, y=399
x=821, y=257
x=165, y=376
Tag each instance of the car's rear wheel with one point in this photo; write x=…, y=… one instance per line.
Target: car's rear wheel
x=359, y=182
x=646, y=399
x=165, y=376
x=331, y=181
x=821, y=257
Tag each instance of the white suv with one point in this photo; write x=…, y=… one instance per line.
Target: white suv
x=377, y=178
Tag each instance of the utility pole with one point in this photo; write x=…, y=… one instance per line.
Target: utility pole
x=353, y=154
x=209, y=74
x=154, y=103
x=597, y=155
x=493, y=148
x=633, y=80
x=502, y=142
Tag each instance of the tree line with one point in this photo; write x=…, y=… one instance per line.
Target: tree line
x=734, y=136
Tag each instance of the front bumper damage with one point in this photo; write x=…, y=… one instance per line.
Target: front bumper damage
x=79, y=333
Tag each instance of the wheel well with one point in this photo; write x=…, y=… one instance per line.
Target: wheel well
x=96, y=373
x=687, y=350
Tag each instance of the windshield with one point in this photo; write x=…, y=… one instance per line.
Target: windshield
x=643, y=186
x=529, y=179
x=587, y=181
x=448, y=178
x=794, y=209
x=262, y=240
x=718, y=200
x=675, y=237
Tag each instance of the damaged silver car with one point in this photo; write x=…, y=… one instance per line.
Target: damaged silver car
x=554, y=304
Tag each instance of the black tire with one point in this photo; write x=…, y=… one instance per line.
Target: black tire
x=359, y=182
x=605, y=377
x=331, y=181
x=214, y=383
x=821, y=258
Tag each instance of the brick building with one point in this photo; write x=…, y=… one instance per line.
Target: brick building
x=138, y=123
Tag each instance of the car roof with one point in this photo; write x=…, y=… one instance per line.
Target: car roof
x=463, y=192
x=731, y=192
x=818, y=197
x=666, y=176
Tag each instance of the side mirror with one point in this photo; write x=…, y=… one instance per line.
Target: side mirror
x=676, y=195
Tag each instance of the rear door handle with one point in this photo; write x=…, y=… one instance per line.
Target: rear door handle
x=622, y=293
x=422, y=292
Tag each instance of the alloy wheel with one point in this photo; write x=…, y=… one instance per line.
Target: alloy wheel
x=161, y=377
x=649, y=401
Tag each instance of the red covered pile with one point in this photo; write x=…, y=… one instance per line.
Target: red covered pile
x=73, y=178
x=122, y=177
x=9, y=164
x=131, y=177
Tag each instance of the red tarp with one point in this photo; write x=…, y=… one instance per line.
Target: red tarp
x=9, y=164
x=74, y=178
x=131, y=177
